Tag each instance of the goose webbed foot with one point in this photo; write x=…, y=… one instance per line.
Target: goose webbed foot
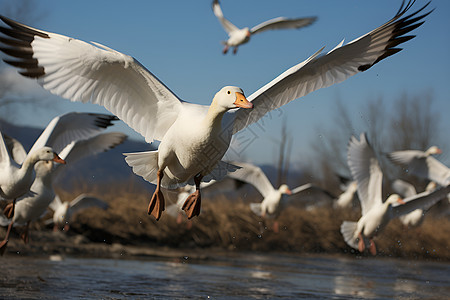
x=192, y=204
x=156, y=205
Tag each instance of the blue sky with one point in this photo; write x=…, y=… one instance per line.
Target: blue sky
x=179, y=42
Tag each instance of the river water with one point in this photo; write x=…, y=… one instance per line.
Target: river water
x=237, y=276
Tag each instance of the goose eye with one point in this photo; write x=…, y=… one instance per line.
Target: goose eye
x=228, y=92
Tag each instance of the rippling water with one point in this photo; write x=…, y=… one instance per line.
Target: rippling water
x=224, y=277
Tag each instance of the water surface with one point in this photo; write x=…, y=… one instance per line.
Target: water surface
x=224, y=277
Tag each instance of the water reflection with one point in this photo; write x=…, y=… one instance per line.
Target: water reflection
x=352, y=286
x=237, y=276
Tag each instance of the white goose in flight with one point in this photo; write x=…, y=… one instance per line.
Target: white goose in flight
x=406, y=189
x=64, y=211
x=275, y=200
x=31, y=208
x=61, y=130
x=239, y=36
x=423, y=164
x=194, y=138
x=376, y=214
x=16, y=180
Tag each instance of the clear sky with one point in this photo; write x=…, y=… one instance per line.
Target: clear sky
x=179, y=42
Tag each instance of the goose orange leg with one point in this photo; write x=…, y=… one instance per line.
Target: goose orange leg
x=193, y=203
x=9, y=213
x=372, y=247
x=225, y=49
x=156, y=205
x=361, y=245
x=276, y=227
x=24, y=234
x=4, y=243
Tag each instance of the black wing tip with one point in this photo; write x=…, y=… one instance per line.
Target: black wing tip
x=18, y=45
x=401, y=27
x=120, y=141
x=21, y=29
x=103, y=120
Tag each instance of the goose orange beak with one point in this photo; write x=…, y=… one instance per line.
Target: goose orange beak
x=242, y=102
x=400, y=200
x=289, y=192
x=58, y=159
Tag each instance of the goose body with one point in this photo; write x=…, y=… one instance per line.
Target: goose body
x=238, y=36
x=32, y=207
x=193, y=137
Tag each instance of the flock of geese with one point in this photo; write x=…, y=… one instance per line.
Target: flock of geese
x=193, y=138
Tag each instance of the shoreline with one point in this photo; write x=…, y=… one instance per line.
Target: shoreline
x=58, y=245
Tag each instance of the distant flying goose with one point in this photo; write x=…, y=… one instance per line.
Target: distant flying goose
x=406, y=189
x=64, y=211
x=194, y=138
x=422, y=164
x=376, y=213
x=274, y=199
x=239, y=36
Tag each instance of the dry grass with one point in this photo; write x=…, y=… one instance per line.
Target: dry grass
x=231, y=225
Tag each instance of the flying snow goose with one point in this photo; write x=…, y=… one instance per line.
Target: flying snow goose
x=422, y=164
x=193, y=137
x=239, y=36
x=31, y=208
x=376, y=214
x=64, y=211
x=59, y=132
x=406, y=189
x=16, y=180
x=274, y=199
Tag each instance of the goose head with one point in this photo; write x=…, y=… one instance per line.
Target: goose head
x=284, y=189
x=230, y=97
x=46, y=154
x=394, y=198
x=433, y=150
